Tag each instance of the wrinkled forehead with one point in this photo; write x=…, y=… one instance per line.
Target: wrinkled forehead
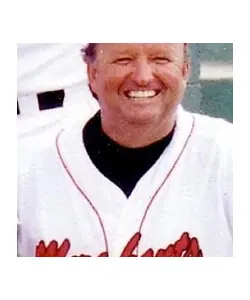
x=136, y=48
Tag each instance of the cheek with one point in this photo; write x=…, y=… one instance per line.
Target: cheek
x=113, y=79
x=172, y=77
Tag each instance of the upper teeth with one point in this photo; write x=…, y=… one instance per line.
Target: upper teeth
x=141, y=94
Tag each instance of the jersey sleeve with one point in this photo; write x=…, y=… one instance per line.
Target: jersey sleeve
x=226, y=171
x=18, y=236
x=23, y=168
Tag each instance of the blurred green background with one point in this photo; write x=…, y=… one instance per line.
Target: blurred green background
x=217, y=98
x=217, y=94
x=216, y=52
x=211, y=87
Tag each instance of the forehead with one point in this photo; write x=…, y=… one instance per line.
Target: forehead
x=115, y=48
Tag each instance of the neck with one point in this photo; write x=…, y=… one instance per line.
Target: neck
x=133, y=135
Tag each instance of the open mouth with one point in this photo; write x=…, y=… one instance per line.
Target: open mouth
x=142, y=94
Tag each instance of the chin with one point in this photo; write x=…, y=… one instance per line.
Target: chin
x=143, y=116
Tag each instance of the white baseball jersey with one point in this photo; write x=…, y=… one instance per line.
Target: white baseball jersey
x=78, y=103
x=181, y=207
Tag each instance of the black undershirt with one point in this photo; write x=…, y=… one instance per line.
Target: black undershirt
x=123, y=166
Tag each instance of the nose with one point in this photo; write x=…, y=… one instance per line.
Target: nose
x=142, y=73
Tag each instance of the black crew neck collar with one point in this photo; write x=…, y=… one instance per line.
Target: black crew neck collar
x=122, y=165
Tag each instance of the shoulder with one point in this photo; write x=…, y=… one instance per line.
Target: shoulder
x=216, y=139
x=38, y=149
x=211, y=129
x=34, y=148
x=211, y=138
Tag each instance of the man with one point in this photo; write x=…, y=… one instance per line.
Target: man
x=140, y=178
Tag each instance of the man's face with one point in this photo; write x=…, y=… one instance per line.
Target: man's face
x=139, y=82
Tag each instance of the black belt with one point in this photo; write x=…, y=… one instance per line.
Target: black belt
x=48, y=100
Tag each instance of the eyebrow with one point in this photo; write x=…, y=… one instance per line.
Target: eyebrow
x=122, y=52
x=151, y=51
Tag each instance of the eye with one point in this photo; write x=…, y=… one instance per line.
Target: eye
x=161, y=60
x=123, y=61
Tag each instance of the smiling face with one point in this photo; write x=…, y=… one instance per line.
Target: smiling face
x=138, y=83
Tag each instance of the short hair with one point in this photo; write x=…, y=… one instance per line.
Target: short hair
x=89, y=52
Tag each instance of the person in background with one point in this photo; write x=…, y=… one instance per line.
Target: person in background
x=51, y=86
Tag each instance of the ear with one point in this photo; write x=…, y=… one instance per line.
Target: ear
x=187, y=64
x=92, y=75
x=186, y=69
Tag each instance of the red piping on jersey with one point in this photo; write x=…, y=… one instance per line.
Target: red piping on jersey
x=81, y=191
x=165, y=179
x=151, y=201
